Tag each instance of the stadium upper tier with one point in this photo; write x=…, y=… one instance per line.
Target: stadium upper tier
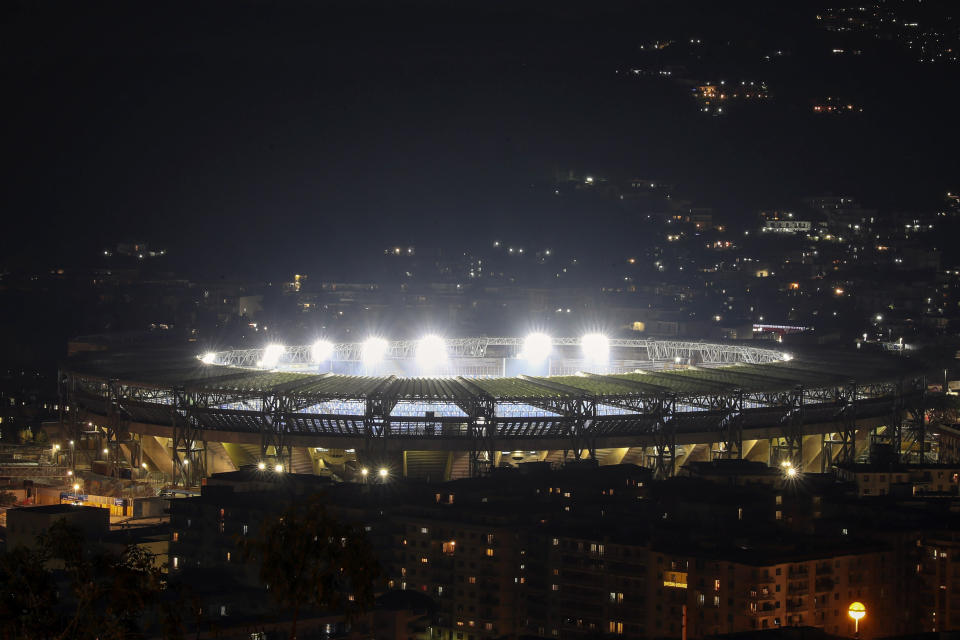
x=685, y=370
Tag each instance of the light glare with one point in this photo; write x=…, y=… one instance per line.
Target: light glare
x=431, y=351
x=537, y=347
x=209, y=358
x=374, y=350
x=596, y=347
x=271, y=355
x=320, y=351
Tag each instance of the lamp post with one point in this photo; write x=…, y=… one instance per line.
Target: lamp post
x=856, y=611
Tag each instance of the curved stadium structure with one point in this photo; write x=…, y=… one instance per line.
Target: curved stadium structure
x=451, y=408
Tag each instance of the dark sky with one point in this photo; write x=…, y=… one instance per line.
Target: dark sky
x=271, y=136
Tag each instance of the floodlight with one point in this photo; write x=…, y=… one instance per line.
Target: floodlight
x=791, y=472
x=320, y=351
x=261, y=465
x=383, y=473
x=787, y=357
x=374, y=350
x=271, y=355
x=209, y=358
x=596, y=347
x=431, y=351
x=364, y=472
x=278, y=468
x=536, y=347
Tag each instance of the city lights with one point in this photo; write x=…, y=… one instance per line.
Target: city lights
x=374, y=350
x=271, y=355
x=596, y=347
x=536, y=347
x=321, y=351
x=431, y=352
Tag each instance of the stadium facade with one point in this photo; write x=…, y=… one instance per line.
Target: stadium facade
x=440, y=409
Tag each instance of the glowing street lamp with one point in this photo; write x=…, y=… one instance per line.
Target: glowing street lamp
x=383, y=474
x=261, y=466
x=856, y=611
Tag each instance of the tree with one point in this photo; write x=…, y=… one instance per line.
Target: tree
x=94, y=594
x=27, y=595
x=308, y=557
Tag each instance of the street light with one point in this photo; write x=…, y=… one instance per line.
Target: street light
x=383, y=473
x=856, y=611
x=261, y=465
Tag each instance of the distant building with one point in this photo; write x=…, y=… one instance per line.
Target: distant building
x=901, y=479
x=25, y=524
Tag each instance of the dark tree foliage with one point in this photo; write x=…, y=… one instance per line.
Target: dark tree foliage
x=308, y=558
x=65, y=589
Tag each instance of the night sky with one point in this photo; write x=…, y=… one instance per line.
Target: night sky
x=266, y=137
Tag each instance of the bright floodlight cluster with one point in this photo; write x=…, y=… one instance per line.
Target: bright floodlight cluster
x=374, y=350
x=431, y=352
x=271, y=355
x=321, y=351
x=536, y=347
x=596, y=347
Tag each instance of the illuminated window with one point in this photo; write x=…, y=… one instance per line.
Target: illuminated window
x=424, y=530
x=424, y=560
x=489, y=552
x=176, y=536
x=616, y=627
x=472, y=579
x=554, y=587
x=176, y=562
x=449, y=547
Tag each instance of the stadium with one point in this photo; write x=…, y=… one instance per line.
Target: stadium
x=446, y=408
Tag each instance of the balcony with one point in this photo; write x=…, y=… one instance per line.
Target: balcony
x=796, y=605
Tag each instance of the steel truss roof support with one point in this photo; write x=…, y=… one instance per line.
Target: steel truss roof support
x=189, y=444
x=788, y=448
x=664, y=434
x=731, y=427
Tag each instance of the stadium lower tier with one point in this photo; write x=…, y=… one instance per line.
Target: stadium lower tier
x=444, y=450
